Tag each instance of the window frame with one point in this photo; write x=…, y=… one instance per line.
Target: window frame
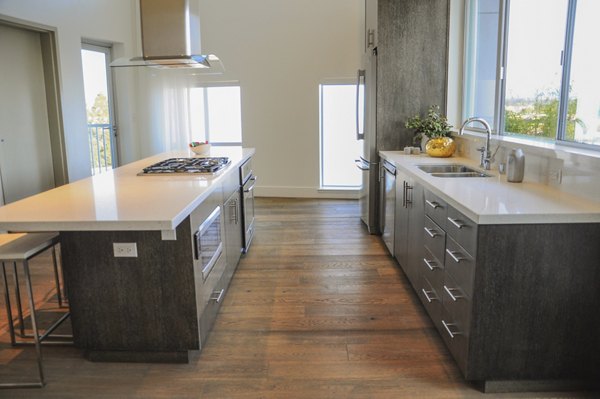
x=207, y=85
x=498, y=124
x=330, y=82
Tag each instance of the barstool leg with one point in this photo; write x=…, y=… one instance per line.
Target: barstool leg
x=56, y=279
x=36, y=335
x=11, y=325
x=19, y=305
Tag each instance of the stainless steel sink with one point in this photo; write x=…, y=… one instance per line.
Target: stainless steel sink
x=452, y=170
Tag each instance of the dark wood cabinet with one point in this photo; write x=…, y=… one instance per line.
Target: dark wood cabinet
x=408, y=224
x=512, y=302
x=161, y=304
x=412, y=48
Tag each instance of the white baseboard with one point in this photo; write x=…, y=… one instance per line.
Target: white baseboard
x=303, y=192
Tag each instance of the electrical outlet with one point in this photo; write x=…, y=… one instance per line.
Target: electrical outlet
x=125, y=249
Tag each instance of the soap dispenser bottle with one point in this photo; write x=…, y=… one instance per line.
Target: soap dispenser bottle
x=515, y=166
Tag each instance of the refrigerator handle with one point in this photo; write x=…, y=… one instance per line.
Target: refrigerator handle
x=360, y=130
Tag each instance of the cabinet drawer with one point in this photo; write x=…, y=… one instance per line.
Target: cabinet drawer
x=431, y=300
x=432, y=269
x=436, y=208
x=434, y=238
x=455, y=336
x=457, y=303
x=211, y=308
x=205, y=287
x=460, y=265
x=462, y=229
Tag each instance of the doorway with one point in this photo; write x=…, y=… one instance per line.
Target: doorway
x=32, y=156
x=97, y=81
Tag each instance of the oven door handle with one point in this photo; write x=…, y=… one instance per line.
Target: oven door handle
x=253, y=178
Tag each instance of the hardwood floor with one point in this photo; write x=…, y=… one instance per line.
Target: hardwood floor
x=316, y=309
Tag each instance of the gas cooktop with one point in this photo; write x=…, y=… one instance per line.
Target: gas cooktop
x=187, y=165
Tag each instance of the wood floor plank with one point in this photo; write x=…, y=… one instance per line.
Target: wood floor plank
x=317, y=309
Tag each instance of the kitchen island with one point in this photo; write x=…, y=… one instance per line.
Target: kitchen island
x=509, y=273
x=153, y=296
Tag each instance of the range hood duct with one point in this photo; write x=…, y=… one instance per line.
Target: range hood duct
x=171, y=38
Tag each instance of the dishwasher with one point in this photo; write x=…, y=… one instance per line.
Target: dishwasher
x=388, y=204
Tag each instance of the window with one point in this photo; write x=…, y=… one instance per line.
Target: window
x=339, y=147
x=100, y=110
x=216, y=114
x=482, y=59
x=530, y=68
x=583, y=111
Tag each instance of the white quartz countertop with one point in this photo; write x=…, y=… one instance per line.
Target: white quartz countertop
x=120, y=199
x=493, y=200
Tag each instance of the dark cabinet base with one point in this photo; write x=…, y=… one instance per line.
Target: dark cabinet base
x=137, y=356
x=535, y=386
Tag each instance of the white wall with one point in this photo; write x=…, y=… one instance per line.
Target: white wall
x=280, y=51
x=103, y=20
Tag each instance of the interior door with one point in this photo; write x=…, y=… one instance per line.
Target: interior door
x=26, y=166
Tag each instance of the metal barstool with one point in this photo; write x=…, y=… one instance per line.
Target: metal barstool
x=20, y=248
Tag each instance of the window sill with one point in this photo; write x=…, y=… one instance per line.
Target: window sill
x=539, y=148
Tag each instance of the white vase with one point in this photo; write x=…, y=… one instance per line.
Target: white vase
x=424, y=141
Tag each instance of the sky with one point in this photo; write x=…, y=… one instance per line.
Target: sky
x=94, y=75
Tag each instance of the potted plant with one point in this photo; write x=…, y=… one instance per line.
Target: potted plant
x=434, y=129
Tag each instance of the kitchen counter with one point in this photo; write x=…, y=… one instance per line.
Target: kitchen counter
x=157, y=304
x=492, y=200
x=120, y=199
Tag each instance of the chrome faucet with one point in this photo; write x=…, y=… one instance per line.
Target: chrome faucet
x=486, y=157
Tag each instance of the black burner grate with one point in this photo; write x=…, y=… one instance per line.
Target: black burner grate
x=188, y=165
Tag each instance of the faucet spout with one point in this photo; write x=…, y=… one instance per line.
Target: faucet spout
x=485, y=151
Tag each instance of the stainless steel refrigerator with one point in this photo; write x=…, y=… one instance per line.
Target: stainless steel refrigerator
x=366, y=130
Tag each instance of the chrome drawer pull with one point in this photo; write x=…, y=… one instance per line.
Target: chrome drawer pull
x=430, y=264
x=433, y=204
x=217, y=296
x=456, y=222
x=452, y=296
x=450, y=333
x=426, y=293
x=432, y=233
x=457, y=259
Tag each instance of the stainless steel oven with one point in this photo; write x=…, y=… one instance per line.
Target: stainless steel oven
x=247, y=182
x=208, y=244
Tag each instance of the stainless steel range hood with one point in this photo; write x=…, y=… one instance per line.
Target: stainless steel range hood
x=171, y=38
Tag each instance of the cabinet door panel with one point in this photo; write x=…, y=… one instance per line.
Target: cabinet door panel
x=460, y=265
x=431, y=300
x=455, y=338
x=401, y=230
x=415, y=227
x=462, y=229
x=436, y=208
x=434, y=238
x=457, y=303
x=432, y=269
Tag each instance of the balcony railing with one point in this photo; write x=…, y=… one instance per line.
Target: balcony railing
x=99, y=135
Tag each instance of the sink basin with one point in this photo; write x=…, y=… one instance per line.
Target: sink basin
x=451, y=171
x=462, y=174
